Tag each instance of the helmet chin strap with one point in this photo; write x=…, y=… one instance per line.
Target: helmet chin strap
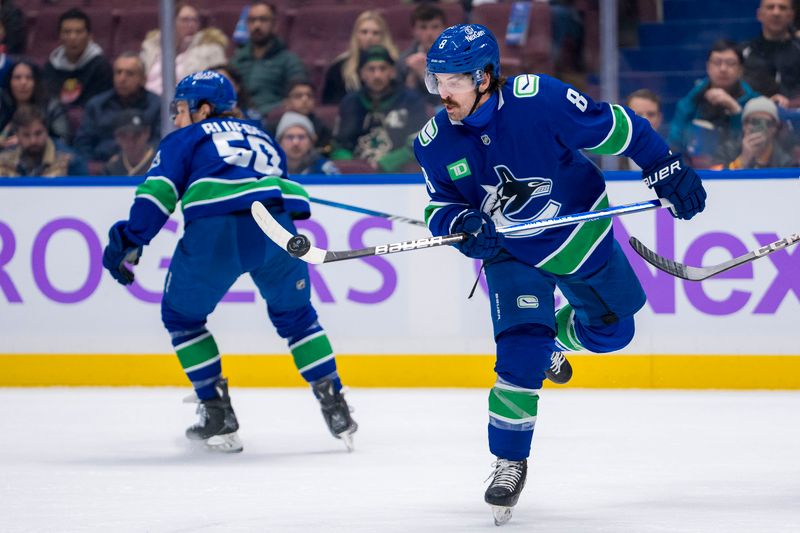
x=478, y=96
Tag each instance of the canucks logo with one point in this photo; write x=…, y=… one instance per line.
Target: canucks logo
x=514, y=200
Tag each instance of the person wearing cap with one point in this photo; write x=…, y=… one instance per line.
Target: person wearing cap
x=301, y=98
x=296, y=135
x=377, y=123
x=759, y=146
x=136, y=152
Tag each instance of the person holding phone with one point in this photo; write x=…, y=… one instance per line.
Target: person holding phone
x=759, y=146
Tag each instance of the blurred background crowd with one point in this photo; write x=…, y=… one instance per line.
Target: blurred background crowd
x=339, y=83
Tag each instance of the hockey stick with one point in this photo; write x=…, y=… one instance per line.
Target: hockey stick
x=679, y=270
x=365, y=211
x=299, y=245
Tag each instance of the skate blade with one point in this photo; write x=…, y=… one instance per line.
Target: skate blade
x=347, y=438
x=501, y=514
x=229, y=443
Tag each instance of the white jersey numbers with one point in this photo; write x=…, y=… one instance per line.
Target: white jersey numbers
x=577, y=99
x=261, y=155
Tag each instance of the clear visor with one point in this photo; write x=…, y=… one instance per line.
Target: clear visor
x=452, y=83
x=173, y=107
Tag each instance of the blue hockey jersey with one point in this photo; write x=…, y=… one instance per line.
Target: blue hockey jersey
x=525, y=164
x=214, y=167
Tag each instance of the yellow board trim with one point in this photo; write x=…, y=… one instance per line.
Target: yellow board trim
x=591, y=371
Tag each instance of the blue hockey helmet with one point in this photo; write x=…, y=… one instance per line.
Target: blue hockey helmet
x=208, y=87
x=462, y=49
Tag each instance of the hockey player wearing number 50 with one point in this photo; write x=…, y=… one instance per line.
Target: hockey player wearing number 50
x=507, y=151
x=216, y=165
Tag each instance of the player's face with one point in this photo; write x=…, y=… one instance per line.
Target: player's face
x=724, y=69
x=775, y=16
x=648, y=109
x=457, y=92
x=182, y=117
x=296, y=142
x=22, y=83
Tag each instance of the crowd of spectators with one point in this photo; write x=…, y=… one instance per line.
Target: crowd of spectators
x=82, y=111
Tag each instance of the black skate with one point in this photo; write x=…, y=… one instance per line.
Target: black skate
x=217, y=425
x=335, y=411
x=507, y=484
x=560, y=370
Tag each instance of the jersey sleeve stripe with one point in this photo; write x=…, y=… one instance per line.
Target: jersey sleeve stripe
x=160, y=190
x=210, y=190
x=619, y=137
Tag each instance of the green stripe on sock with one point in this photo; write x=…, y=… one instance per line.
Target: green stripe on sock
x=198, y=352
x=565, y=325
x=514, y=405
x=308, y=353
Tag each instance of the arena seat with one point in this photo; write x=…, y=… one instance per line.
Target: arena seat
x=131, y=28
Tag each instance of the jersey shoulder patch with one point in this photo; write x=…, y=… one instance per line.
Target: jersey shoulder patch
x=526, y=85
x=428, y=132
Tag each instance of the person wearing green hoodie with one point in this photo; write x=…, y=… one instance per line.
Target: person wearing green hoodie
x=266, y=64
x=76, y=69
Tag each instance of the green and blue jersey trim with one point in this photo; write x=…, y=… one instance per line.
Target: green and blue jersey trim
x=619, y=136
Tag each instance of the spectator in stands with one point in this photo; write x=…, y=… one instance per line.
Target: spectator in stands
x=378, y=123
x=36, y=153
x=301, y=99
x=267, y=66
x=296, y=136
x=243, y=100
x=196, y=48
x=12, y=28
x=711, y=113
x=25, y=87
x=772, y=60
x=759, y=146
x=95, y=137
x=342, y=76
x=76, y=70
x=136, y=149
x=427, y=22
x=646, y=104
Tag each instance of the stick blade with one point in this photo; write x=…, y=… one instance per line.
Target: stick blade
x=280, y=236
x=679, y=270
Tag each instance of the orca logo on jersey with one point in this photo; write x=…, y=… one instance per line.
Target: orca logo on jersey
x=512, y=200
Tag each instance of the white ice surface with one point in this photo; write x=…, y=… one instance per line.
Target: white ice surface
x=614, y=461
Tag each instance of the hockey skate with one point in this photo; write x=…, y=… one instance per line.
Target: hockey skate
x=335, y=411
x=217, y=425
x=560, y=370
x=505, y=488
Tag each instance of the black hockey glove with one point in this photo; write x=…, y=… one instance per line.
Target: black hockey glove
x=120, y=250
x=677, y=182
x=484, y=242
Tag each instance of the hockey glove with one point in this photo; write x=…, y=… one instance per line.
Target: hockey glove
x=674, y=180
x=120, y=250
x=484, y=242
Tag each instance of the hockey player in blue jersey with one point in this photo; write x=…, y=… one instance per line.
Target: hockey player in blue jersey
x=216, y=164
x=507, y=151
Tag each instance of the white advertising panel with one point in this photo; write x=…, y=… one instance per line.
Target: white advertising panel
x=55, y=296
